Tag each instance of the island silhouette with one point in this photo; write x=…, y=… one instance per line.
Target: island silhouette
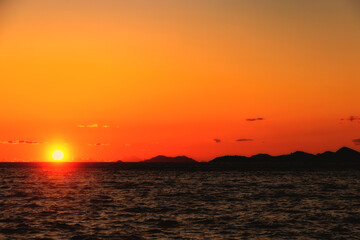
x=164, y=159
x=344, y=157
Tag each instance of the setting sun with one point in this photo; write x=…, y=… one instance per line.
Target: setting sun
x=58, y=155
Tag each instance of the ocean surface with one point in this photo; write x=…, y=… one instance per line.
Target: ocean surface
x=108, y=201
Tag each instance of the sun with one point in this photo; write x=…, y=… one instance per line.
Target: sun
x=58, y=155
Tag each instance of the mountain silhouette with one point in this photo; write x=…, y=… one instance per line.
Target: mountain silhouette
x=347, y=154
x=230, y=159
x=164, y=159
x=326, y=155
x=261, y=156
x=344, y=156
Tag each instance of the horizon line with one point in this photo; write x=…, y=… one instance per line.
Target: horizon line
x=145, y=160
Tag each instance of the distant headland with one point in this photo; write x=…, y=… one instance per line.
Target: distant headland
x=343, y=157
x=164, y=159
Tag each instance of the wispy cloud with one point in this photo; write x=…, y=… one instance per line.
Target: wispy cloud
x=19, y=142
x=255, y=119
x=244, y=140
x=94, y=125
x=356, y=141
x=217, y=140
x=98, y=144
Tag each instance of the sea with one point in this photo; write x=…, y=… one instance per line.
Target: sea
x=110, y=201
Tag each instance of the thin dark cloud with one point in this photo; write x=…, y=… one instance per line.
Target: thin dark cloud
x=217, y=140
x=98, y=144
x=15, y=142
x=351, y=118
x=255, y=119
x=356, y=141
x=244, y=140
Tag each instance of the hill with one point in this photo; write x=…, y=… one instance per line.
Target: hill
x=344, y=156
x=165, y=159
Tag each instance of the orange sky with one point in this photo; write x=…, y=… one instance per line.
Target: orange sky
x=169, y=77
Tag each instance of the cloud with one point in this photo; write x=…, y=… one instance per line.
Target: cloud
x=217, y=140
x=255, y=119
x=95, y=125
x=351, y=119
x=18, y=142
x=244, y=140
x=356, y=141
x=98, y=144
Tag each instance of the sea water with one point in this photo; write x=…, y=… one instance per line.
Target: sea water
x=109, y=202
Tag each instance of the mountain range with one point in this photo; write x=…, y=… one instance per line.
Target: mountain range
x=344, y=155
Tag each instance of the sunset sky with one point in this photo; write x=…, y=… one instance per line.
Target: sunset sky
x=106, y=80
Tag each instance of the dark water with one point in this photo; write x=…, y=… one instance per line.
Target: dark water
x=105, y=202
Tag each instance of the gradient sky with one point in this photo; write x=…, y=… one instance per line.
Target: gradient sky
x=107, y=80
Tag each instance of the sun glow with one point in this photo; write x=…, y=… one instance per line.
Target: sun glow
x=58, y=155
